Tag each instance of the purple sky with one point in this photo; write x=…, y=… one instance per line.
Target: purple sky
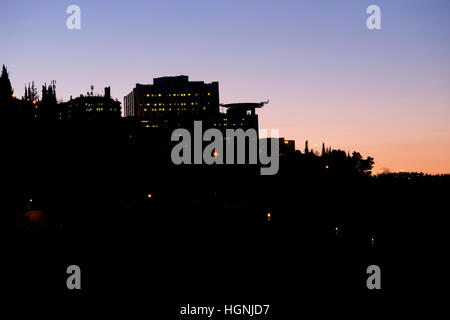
x=384, y=92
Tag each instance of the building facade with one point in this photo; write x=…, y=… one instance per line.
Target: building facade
x=91, y=107
x=172, y=97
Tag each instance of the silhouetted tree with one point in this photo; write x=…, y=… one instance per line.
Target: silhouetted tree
x=48, y=105
x=6, y=91
x=31, y=93
x=363, y=166
x=49, y=93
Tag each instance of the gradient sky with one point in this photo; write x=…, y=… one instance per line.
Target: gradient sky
x=384, y=92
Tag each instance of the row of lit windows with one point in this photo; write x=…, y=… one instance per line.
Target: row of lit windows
x=226, y=119
x=165, y=109
x=168, y=109
x=148, y=125
x=173, y=104
x=91, y=104
x=101, y=109
x=175, y=94
x=215, y=125
x=226, y=124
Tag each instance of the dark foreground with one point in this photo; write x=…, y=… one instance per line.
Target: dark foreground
x=204, y=236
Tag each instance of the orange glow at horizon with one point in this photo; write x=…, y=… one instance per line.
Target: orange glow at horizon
x=407, y=129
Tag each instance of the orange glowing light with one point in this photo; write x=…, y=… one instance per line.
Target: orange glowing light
x=215, y=154
x=34, y=101
x=268, y=216
x=149, y=196
x=327, y=167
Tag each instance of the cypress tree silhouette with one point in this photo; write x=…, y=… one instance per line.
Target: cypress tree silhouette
x=31, y=92
x=49, y=93
x=6, y=90
x=48, y=104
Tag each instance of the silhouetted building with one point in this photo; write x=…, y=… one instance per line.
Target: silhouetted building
x=239, y=115
x=91, y=107
x=172, y=97
x=176, y=102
